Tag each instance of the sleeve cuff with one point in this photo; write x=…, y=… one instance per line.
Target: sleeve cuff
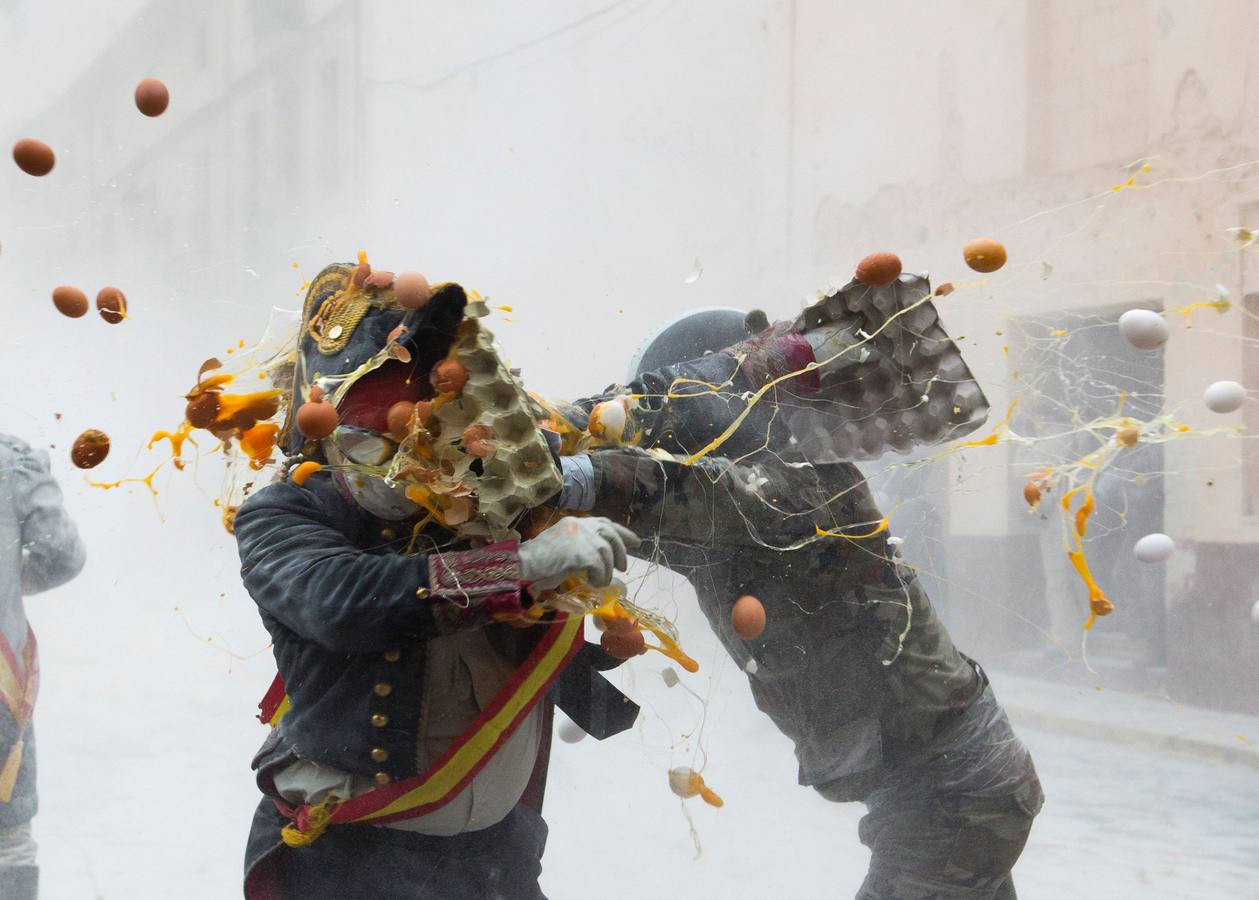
x=578, y=492
x=478, y=583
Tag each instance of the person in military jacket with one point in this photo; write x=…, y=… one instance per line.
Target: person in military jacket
x=407, y=750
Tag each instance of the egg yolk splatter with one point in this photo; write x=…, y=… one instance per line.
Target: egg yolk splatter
x=881, y=527
x=304, y=471
x=996, y=431
x=611, y=610
x=1099, y=603
x=258, y=443
x=147, y=481
x=689, y=783
x=176, y=438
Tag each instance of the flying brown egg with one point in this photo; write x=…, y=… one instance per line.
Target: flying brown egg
x=748, y=617
x=152, y=97
x=411, y=290
x=317, y=419
x=70, y=301
x=879, y=269
x=90, y=449
x=984, y=255
x=34, y=157
x=111, y=303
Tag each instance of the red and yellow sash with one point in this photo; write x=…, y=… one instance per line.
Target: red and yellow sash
x=19, y=686
x=466, y=756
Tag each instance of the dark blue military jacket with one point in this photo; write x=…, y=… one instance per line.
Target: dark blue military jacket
x=340, y=601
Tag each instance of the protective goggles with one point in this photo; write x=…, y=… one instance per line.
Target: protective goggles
x=364, y=447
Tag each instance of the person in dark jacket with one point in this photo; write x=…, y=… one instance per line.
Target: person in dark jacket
x=41, y=550
x=853, y=666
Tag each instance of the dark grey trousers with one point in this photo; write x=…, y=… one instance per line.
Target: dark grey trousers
x=953, y=825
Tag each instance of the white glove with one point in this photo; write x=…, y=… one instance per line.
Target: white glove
x=591, y=546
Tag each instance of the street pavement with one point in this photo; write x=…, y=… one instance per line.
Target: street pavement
x=146, y=792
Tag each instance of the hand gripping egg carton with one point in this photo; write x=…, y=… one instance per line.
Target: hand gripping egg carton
x=891, y=378
x=477, y=452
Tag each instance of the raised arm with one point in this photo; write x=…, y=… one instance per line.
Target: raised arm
x=52, y=552
x=717, y=502
x=683, y=408
x=301, y=566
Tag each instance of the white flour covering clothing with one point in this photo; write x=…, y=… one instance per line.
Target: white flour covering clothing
x=17, y=846
x=39, y=545
x=39, y=550
x=462, y=674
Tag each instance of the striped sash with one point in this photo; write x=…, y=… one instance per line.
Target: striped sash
x=466, y=756
x=19, y=686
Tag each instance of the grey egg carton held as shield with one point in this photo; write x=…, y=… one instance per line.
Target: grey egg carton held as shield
x=518, y=474
x=900, y=384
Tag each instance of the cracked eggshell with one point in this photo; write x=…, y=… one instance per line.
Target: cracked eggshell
x=398, y=418
x=607, y=420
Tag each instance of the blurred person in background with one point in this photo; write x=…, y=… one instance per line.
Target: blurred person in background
x=42, y=550
x=853, y=665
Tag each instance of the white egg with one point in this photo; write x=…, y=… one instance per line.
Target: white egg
x=1224, y=396
x=680, y=782
x=1143, y=328
x=571, y=732
x=1154, y=548
x=751, y=667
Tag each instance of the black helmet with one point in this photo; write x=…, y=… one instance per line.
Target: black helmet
x=694, y=333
